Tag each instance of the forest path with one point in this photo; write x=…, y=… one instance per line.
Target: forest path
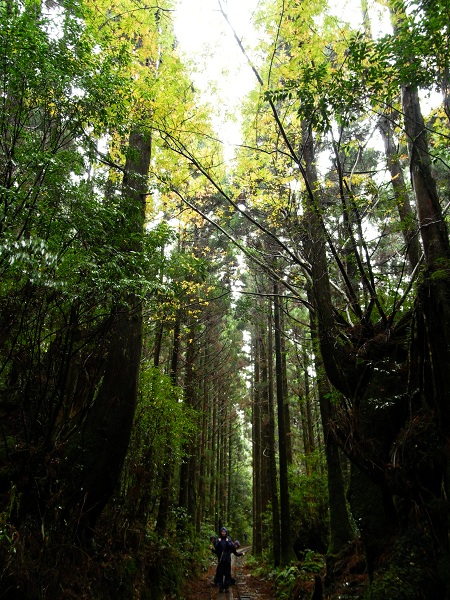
x=247, y=586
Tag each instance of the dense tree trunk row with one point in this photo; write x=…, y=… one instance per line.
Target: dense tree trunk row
x=130, y=403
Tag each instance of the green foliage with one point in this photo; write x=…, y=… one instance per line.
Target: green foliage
x=395, y=584
x=241, y=501
x=313, y=562
x=57, y=233
x=162, y=420
x=8, y=532
x=285, y=580
x=122, y=567
x=408, y=574
x=70, y=253
x=309, y=501
x=441, y=270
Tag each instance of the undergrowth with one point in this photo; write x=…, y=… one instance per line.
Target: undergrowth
x=136, y=564
x=288, y=579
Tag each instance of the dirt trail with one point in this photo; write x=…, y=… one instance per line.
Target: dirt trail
x=247, y=586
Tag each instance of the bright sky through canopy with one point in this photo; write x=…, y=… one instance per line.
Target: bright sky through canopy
x=220, y=69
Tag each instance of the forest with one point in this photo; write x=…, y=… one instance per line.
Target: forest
x=189, y=341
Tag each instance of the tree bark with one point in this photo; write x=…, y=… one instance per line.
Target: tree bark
x=321, y=329
x=265, y=433
x=433, y=228
x=286, y=548
x=107, y=431
x=286, y=407
x=256, y=453
x=276, y=541
x=435, y=292
x=407, y=217
x=341, y=532
x=165, y=499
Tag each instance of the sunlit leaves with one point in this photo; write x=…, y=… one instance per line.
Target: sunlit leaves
x=161, y=416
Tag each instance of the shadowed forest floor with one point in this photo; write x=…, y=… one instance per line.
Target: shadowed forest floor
x=247, y=586
x=347, y=578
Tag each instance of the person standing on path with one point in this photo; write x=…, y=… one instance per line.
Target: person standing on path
x=224, y=548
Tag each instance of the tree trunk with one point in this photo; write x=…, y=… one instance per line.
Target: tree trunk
x=287, y=553
x=256, y=453
x=435, y=292
x=165, y=499
x=340, y=529
x=314, y=247
x=407, y=217
x=286, y=407
x=341, y=532
x=213, y=470
x=202, y=485
x=265, y=434
x=106, y=434
x=188, y=482
x=276, y=541
x=308, y=410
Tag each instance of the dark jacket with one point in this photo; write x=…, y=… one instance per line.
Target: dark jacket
x=223, y=548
